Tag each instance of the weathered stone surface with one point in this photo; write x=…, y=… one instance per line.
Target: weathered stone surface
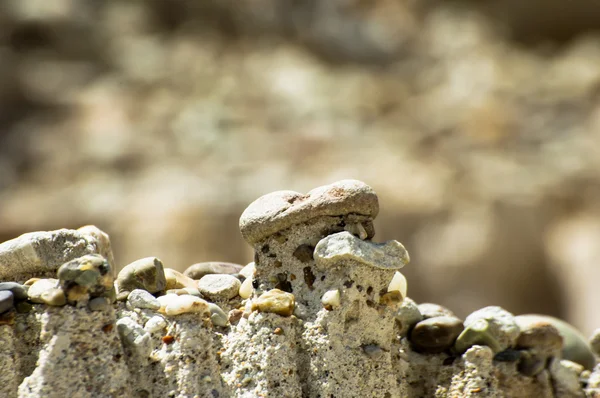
x=41, y=253
x=197, y=271
x=147, y=273
x=280, y=210
x=343, y=246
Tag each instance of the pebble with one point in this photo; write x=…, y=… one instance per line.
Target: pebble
x=398, y=283
x=147, y=273
x=437, y=334
x=172, y=304
x=575, y=347
x=478, y=333
x=155, y=324
x=217, y=315
x=331, y=299
x=85, y=277
x=430, y=310
x=186, y=290
x=219, y=286
x=177, y=280
x=407, y=316
x=197, y=271
x=134, y=336
x=539, y=336
x=140, y=298
x=98, y=304
x=246, y=288
x=502, y=326
x=46, y=291
x=234, y=316
x=7, y=300
x=248, y=271
x=275, y=301
x=343, y=246
x=19, y=291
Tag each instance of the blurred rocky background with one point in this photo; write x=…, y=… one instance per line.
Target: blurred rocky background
x=159, y=121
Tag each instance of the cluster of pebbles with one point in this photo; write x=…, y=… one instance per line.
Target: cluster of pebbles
x=321, y=302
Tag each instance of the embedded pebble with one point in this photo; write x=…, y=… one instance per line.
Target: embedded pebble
x=197, y=271
x=147, y=273
x=248, y=271
x=407, y=316
x=19, y=291
x=98, y=304
x=234, y=316
x=540, y=336
x=502, y=326
x=246, y=289
x=331, y=299
x=437, y=334
x=217, y=315
x=477, y=333
x=172, y=304
x=575, y=347
x=177, y=280
x=134, y=336
x=85, y=277
x=343, y=246
x=46, y=291
x=155, y=324
x=7, y=300
x=430, y=310
x=140, y=298
x=398, y=283
x=215, y=286
x=275, y=301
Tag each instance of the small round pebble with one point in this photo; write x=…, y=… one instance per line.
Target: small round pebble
x=98, y=304
x=19, y=291
x=7, y=300
x=219, y=286
x=430, y=310
x=437, y=334
x=275, y=301
x=155, y=324
x=197, y=271
x=23, y=307
x=140, y=298
x=246, y=289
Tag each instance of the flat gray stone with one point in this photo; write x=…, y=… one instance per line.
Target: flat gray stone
x=280, y=210
x=140, y=298
x=197, y=271
x=344, y=246
x=219, y=286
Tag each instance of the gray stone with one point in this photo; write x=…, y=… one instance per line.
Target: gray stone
x=282, y=209
x=217, y=315
x=85, y=277
x=437, y=334
x=134, y=337
x=539, y=336
x=430, y=310
x=502, y=326
x=140, y=298
x=7, y=300
x=215, y=286
x=103, y=245
x=343, y=246
x=197, y=271
x=18, y=290
x=147, y=273
x=407, y=316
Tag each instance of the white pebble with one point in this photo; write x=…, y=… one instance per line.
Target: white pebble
x=248, y=271
x=172, y=304
x=398, y=283
x=246, y=289
x=331, y=298
x=155, y=324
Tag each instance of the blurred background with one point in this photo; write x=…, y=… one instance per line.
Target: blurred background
x=159, y=121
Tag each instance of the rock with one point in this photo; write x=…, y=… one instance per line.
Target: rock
x=539, y=336
x=98, y=304
x=103, y=245
x=19, y=291
x=176, y=280
x=140, y=298
x=217, y=315
x=7, y=300
x=398, y=283
x=219, y=286
x=197, y=271
x=172, y=304
x=85, y=277
x=407, y=316
x=575, y=347
x=47, y=291
x=147, y=273
x=275, y=301
x=246, y=289
x=501, y=326
x=331, y=299
x=477, y=333
x=248, y=271
x=41, y=253
x=430, y=310
x=343, y=246
x=280, y=210
x=155, y=324
x=437, y=334
x=185, y=290
x=134, y=337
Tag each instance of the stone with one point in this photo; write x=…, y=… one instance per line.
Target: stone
x=140, y=298
x=176, y=280
x=99, y=304
x=275, y=301
x=407, y=316
x=477, y=333
x=7, y=300
x=502, y=326
x=85, y=277
x=398, y=283
x=42, y=253
x=343, y=246
x=217, y=315
x=280, y=210
x=134, y=337
x=531, y=364
x=185, y=290
x=172, y=304
x=147, y=273
x=331, y=299
x=47, y=291
x=103, y=245
x=539, y=336
x=248, y=271
x=430, y=310
x=575, y=347
x=155, y=324
x=219, y=286
x=435, y=335
x=197, y=271
x=19, y=291
x=246, y=289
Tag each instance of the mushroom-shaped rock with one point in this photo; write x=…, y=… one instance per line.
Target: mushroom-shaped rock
x=147, y=273
x=85, y=277
x=280, y=210
x=275, y=301
x=197, y=271
x=343, y=246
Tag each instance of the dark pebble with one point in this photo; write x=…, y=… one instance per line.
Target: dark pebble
x=435, y=335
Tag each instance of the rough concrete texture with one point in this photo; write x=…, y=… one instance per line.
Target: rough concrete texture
x=345, y=336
